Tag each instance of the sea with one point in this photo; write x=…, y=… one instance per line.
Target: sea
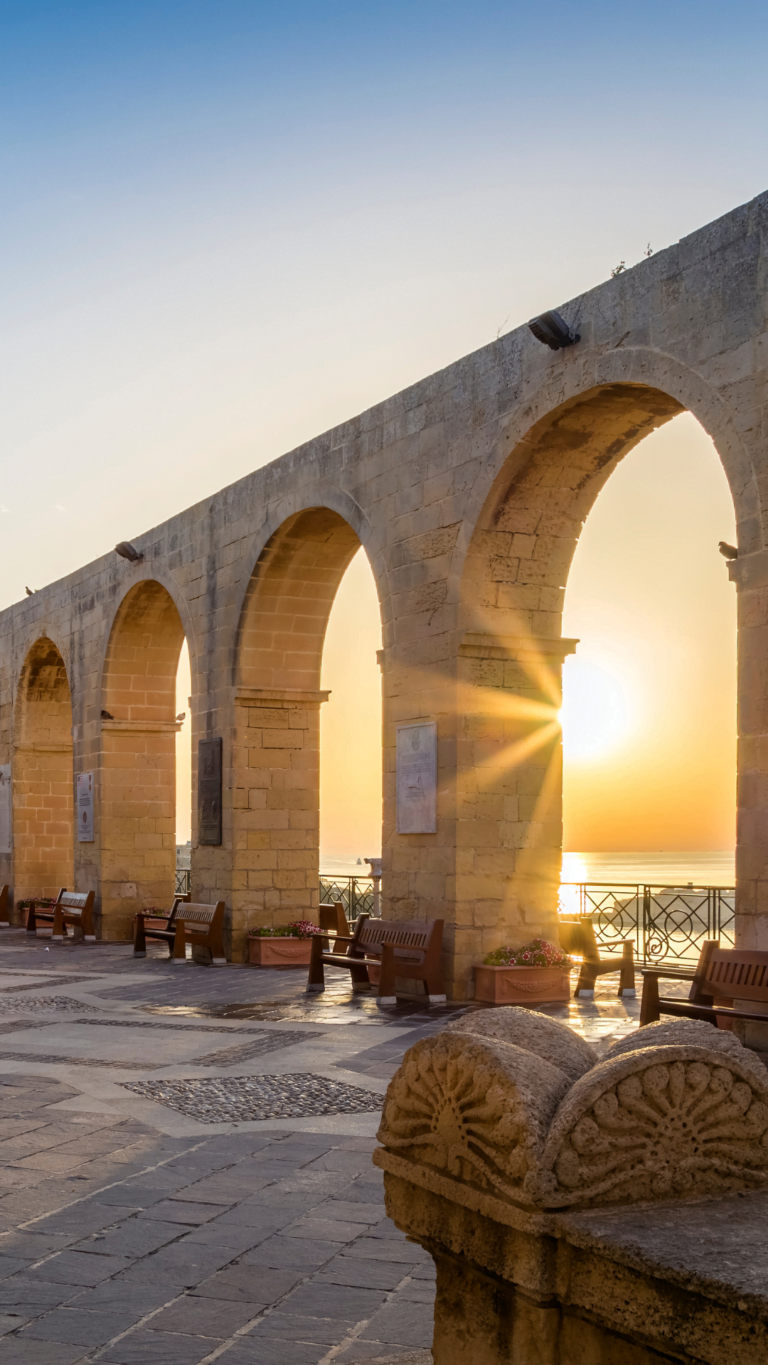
x=617, y=869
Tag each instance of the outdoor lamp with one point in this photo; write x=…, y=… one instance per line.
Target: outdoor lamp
x=128, y=551
x=553, y=331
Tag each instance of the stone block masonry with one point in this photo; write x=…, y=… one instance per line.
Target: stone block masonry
x=467, y=491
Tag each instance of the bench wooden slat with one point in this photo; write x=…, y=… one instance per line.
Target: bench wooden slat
x=409, y=949
x=195, y=923
x=577, y=936
x=72, y=907
x=722, y=975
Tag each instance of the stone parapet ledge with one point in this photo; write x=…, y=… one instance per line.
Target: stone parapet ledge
x=611, y=1217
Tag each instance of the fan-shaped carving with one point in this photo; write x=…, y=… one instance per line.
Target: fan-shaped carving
x=658, y=1123
x=534, y=1032
x=475, y=1109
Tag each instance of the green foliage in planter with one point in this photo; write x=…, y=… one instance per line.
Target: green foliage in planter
x=537, y=953
x=300, y=928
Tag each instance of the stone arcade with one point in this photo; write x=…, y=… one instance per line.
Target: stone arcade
x=468, y=492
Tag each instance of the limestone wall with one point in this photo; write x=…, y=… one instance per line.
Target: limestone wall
x=468, y=491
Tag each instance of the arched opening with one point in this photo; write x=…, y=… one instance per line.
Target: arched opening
x=278, y=695
x=43, y=833
x=184, y=772
x=138, y=757
x=350, y=727
x=649, y=698
x=509, y=767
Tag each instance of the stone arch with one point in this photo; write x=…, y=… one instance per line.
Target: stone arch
x=42, y=778
x=138, y=755
x=276, y=672
x=510, y=579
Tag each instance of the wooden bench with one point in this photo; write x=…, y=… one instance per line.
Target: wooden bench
x=721, y=976
x=333, y=921
x=409, y=949
x=74, y=908
x=577, y=936
x=200, y=925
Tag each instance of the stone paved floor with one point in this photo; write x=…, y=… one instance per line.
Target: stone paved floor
x=133, y=1230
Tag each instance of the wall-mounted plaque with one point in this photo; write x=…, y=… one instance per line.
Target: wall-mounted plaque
x=417, y=778
x=209, y=791
x=5, y=808
x=85, y=808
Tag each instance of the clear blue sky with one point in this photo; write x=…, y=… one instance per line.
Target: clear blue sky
x=228, y=225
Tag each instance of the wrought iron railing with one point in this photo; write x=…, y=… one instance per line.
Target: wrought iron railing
x=183, y=882
x=666, y=923
x=357, y=894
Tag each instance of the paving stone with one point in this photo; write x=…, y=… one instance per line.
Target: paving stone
x=88, y=1216
x=327, y=1229
x=78, y=1268
x=203, y=1316
x=11, y=1322
x=249, y=1283
x=17, y=1351
x=143, y=1347
x=119, y=1295
x=238, y=1238
x=180, y=1211
x=9, y=1265
x=261, y=1350
x=316, y=1300
x=279, y=1252
x=20, y=1290
x=77, y=1327
x=386, y=1249
x=218, y=1189
x=403, y=1322
x=134, y=1237
x=294, y=1328
x=190, y=1263
x=350, y=1211
x=418, y=1291
x=358, y=1350
x=362, y=1274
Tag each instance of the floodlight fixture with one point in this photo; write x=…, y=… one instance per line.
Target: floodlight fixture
x=551, y=329
x=129, y=552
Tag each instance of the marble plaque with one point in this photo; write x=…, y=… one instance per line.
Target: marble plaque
x=5, y=808
x=85, y=808
x=417, y=778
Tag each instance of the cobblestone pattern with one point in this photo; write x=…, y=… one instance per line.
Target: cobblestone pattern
x=67, y=980
x=58, y=1059
x=257, y=1034
x=56, y=1003
x=257, y=1047
x=244, y=1099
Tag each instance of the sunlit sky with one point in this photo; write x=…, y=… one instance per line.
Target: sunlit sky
x=228, y=226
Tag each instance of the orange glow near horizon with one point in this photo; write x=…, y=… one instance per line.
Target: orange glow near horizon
x=649, y=699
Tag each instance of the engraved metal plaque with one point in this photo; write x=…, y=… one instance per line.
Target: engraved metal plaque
x=417, y=778
x=85, y=808
x=5, y=808
x=209, y=791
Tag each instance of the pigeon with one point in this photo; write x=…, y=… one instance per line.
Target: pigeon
x=30, y=591
x=106, y=715
x=728, y=551
x=182, y=715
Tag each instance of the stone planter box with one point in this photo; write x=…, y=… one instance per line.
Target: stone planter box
x=522, y=985
x=279, y=952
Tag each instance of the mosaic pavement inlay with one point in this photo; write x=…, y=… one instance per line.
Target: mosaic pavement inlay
x=249, y=1099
